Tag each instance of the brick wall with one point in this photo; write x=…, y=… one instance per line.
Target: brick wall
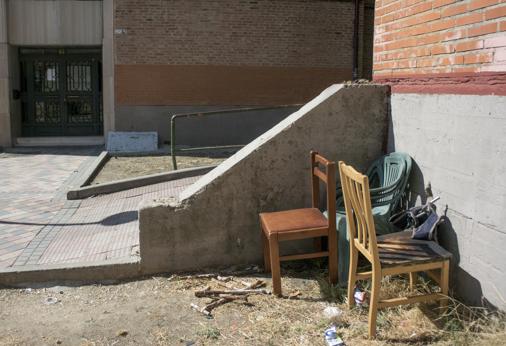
x=235, y=32
x=230, y=51
x=415, y=37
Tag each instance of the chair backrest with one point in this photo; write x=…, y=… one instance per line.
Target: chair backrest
x=359, y=218
x=388, y=178
x=329, y=178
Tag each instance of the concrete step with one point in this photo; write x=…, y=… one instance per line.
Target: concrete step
x=59, y=141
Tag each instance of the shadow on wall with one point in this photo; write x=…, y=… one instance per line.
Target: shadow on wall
x=465, y=287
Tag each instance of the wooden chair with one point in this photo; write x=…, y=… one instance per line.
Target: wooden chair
x=391, y=254
x=302, y=224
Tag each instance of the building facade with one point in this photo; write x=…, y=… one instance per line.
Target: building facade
x=446, y=63
x=84, y=68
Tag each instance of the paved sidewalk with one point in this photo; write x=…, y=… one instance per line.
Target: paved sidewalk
x=39, y=226
x=32, y=188
x=96, y=229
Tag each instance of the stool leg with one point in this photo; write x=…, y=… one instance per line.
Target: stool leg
x=275, y=266
x=267, y=250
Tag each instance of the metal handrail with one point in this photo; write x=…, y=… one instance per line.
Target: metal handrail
x=199, y=114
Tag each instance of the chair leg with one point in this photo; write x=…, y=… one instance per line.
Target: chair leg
x=333, y=259
x=445, y=276
x=267, y=257
x=412, y=280
x=352, y=276
x=373, y=303
x=275, y=266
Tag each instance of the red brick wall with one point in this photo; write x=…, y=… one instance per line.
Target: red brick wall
x=441, y=38
x=307, y=42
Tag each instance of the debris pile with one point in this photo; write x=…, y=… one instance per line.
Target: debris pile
x=227, y=295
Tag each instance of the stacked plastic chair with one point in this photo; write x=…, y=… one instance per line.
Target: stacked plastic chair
x=388, y=179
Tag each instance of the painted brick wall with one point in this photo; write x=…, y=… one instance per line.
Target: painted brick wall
x=231, y=52
x=414, y=37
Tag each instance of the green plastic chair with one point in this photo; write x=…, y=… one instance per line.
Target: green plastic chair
x=388, y=179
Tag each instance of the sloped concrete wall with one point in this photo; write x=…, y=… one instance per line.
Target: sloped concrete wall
x=458, y=143
x=215, y=222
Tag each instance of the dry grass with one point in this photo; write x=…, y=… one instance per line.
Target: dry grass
x=157, y=311
x=125, y=167
x=299, y=321
x=422, y=324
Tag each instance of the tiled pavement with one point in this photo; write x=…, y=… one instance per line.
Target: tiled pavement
x=31, y=192
x=38, y=226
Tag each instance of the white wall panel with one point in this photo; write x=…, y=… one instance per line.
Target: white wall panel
x=69, y=22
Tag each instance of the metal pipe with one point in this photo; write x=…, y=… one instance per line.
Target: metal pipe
x=355, y=40
x=199, y=114
x=173, y=142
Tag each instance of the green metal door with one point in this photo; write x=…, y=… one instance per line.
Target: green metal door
x=61, y=92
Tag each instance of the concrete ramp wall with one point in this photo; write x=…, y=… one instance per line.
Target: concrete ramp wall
x=215, y=222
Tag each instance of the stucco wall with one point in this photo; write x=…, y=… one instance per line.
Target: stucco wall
x=458, y=143
x=216, y=220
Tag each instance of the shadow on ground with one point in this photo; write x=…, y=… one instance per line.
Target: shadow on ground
x=112, y=220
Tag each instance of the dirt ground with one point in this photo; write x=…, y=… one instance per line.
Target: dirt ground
x=123, y=167
x=156, y=311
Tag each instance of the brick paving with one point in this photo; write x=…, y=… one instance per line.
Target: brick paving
x=38, y=226
x=31, y=193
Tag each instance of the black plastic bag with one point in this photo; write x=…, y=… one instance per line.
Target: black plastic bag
x=422, y=220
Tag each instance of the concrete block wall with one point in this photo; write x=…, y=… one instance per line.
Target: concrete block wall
x=444, y=61
x=458, y=144
x=215, y=222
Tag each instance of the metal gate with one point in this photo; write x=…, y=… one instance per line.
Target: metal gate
x=61, y=92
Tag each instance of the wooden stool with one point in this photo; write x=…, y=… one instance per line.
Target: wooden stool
x=303, y=223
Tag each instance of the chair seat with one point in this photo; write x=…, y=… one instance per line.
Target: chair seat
x=293, y=220
x=398, y=248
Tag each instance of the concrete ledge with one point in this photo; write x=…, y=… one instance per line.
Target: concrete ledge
x=60, y=141
x=125, y=184
x=70, y=272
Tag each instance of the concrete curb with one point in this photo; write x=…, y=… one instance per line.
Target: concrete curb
x=70, y=272
x=91, y=171
x=125, y=184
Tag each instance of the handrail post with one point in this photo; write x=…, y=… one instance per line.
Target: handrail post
x=199, y=114
x=173, y=141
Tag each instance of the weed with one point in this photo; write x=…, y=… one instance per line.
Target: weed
x=211, y=333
